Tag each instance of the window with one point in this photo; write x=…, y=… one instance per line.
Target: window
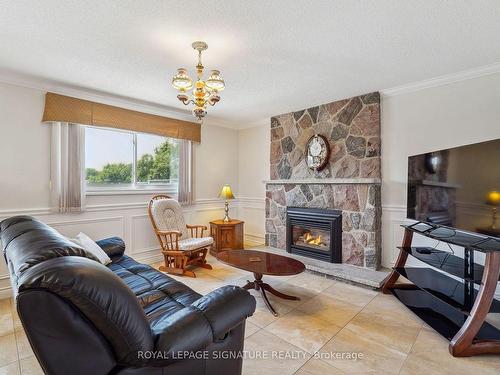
x=125, y=160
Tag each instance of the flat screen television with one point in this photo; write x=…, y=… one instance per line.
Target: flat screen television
x=457, y=187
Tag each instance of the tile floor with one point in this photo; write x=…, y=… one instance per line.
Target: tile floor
x=331, y=317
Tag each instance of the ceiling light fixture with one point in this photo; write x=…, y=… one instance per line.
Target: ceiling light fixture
x=204, y=92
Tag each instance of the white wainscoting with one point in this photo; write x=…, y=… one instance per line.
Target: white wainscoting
x=253, y=212
x=130, y=221
x=392, y=233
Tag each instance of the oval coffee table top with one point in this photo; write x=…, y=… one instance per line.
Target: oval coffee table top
x=261, y=262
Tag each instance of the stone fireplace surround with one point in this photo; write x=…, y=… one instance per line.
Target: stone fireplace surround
x=350, y=182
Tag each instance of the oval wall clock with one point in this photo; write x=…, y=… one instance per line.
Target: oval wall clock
x=317, y=152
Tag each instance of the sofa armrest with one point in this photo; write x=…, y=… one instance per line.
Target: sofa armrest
x=185, y=330
x=113, y=246
x=207, y=320
x=225, y=308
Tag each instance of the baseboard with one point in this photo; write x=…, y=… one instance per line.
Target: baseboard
x=253, y=240
x=149, y=258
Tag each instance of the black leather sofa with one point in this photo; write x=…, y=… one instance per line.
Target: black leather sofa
x=82, y=317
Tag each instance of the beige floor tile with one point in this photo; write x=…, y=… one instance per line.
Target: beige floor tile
x=279, y=279
x=303, y=330
x=270, y=355
x=4, y=306
x=330, y=309
x=376, y=358
x=262, y=316
x=11, y=369
x=388, y=306
x=354, y=295
x=23, y=346
x=17, y=321
x=315, y=283
x=30, y=366
x=223, y=272
x=6, y=321
x=8, y=349
x=250, y=329
x=318, y=367
x=386, y=329
x=292, y=290
x=430, y=355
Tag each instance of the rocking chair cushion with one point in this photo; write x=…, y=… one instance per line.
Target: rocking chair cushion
x=195, y=243
x=167, y=214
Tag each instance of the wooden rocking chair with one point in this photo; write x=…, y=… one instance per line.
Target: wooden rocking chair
x=182, y=245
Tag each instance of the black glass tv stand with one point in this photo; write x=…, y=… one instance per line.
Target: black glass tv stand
x=456, y=307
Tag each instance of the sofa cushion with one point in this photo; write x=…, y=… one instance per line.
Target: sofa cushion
x=92, y=247
x=195, y=243
x=158, y=294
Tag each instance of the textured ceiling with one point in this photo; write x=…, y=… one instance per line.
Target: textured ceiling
x=276, y=56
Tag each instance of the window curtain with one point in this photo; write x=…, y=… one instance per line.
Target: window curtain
x=67, y=179
x=185, y=186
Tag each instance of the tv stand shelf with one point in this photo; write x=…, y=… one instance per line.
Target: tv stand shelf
x=455, y=308
x=441, y=286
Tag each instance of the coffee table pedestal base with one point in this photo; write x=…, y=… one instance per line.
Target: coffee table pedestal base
x=258, y=284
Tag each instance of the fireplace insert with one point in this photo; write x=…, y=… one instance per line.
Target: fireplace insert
x=314, y=232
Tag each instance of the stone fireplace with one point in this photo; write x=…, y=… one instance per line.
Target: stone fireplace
x=350, y=182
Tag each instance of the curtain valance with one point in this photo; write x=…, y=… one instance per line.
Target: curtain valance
x=60, y=108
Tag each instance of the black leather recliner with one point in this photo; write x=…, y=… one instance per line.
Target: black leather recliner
x=125, y=318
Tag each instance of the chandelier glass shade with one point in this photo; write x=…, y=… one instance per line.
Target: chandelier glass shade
x=205, y=92
x=181, y=80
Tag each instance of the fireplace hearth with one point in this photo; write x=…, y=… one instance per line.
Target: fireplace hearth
x=314, y=232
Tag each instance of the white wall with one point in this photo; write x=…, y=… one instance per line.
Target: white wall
x=24, y=185
x=253, y=169
x=430, y=119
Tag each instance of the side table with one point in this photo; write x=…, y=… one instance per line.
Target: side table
x=227, y=235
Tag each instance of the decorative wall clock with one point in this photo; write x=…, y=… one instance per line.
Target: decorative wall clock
x=317, y=152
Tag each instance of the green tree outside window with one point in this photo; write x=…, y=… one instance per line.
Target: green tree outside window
x=158, y=168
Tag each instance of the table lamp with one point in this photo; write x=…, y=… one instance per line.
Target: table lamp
x=493, y=199
x=226, y=194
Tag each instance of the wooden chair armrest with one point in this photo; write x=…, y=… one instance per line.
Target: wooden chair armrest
x=204, y=227
x=169, y=232
x=196, y=230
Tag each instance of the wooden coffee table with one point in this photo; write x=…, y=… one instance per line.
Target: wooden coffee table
x=262, y=263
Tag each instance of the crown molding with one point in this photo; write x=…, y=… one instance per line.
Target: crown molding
x=266, y=121
x=442, y=80
x=36, y=83
x=46, y=85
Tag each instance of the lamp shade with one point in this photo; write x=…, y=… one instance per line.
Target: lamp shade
x=226, y=192
x=493, y=198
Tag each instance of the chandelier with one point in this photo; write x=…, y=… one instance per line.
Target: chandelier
x=204, y=92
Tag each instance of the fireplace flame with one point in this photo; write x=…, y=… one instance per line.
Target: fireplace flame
x=308, y=238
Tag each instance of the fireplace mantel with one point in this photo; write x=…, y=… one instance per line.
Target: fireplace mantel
x=329, y=181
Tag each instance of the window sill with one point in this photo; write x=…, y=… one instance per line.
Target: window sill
x=129, y=192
